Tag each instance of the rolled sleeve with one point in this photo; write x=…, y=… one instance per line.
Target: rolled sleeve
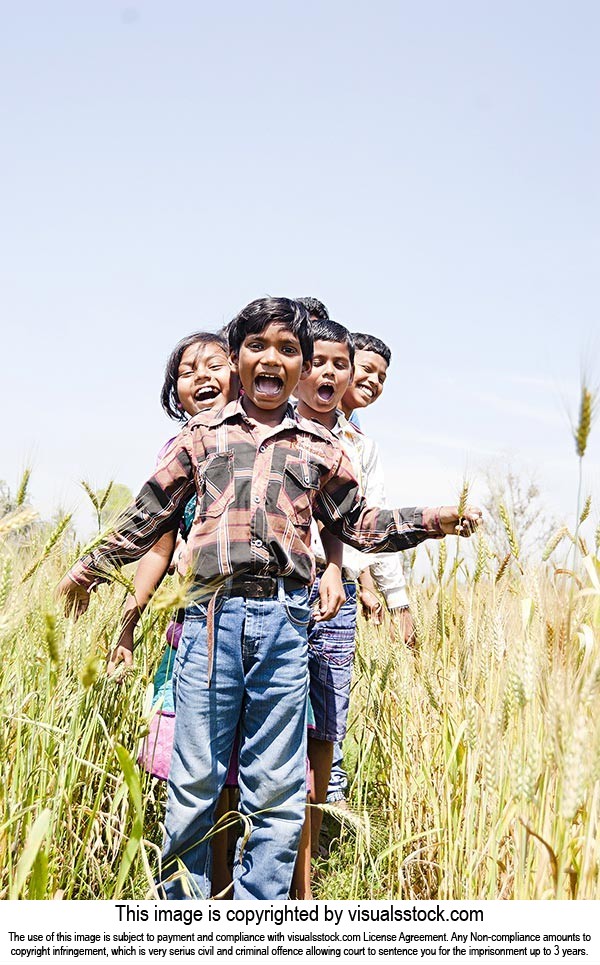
x=431, y=522
x=345, y=513
x=155, y=510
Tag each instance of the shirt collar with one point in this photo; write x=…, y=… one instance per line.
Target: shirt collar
x=345, y=427
x=234, y=410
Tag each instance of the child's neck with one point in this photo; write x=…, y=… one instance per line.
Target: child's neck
x=327, y=419
x=264, y=417
x=347, y=410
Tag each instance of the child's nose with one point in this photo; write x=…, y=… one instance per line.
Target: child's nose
x=271, y=356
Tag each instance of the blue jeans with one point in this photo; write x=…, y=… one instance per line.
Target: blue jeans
x=331, y=648
x=338, y=782
x=259, y=680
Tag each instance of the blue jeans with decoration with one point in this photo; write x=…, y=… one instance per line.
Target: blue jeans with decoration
x=331, y=648
x=259, y=681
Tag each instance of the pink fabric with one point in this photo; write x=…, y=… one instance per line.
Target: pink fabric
x=157, y=748
x=173, y=633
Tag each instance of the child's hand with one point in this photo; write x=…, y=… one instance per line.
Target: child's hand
x=180, y=548
x=77, y=598
x=122, y=653
x=331, y=594
x=372, y=607
x=402, y=627
x=452, y=524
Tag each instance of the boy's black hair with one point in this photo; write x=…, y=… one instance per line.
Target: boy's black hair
x=326, y=330
x=168, y=396
x=314, y=307
x=368, y=343
x=254, y=318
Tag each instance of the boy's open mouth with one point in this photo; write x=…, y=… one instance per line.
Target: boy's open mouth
x=207, y=393
x=366, y=390
x=269, y=385
x=325, y=392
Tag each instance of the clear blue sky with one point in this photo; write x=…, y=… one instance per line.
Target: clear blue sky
x=428, y=170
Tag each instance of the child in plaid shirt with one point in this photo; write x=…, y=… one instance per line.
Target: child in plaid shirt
x=259, y=471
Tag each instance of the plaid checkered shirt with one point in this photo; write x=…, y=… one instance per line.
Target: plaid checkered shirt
x=257, y=490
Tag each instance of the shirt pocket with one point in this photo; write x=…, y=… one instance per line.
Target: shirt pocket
x=301, y=483
x=216, y=488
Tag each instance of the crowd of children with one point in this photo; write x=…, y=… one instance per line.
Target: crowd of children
x=237, y=491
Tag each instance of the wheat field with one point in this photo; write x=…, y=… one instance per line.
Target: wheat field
x=474, y=758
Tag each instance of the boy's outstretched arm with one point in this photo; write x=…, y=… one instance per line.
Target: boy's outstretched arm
x=148, y=577
x=342, y=510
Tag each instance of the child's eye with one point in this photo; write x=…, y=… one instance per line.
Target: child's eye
x=289, y=349
x=186, y=374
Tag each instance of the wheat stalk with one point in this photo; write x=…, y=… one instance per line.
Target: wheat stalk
x=441, y=561
x=22, y=490
x=582, y=431
x=575, y=768
x=17, y=520
x=502, y=568
x=93, y=497
x=52, y=541
x=585, y=512
x=52, y=641
x=553, y=542
x=509, y=530
x=5, y=582
x=462, y=499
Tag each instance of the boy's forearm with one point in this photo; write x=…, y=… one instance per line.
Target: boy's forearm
x=149, y=575
x=384, y=530
x=365, y=580
x=333, y=547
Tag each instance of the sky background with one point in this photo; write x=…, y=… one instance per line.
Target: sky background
x=429, y=170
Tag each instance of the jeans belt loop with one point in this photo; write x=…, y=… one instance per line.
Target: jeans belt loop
x=281, y=589
x=210, y=633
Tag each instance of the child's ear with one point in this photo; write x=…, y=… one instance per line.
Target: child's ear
x=233, y=362
x=306, y=370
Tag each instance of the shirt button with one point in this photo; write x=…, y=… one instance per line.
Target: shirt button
x=257, y=542
x=262, y=449
x=257, y=499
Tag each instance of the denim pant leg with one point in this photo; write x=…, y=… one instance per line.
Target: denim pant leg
x=338, y=782
x=272, y=776
x=206, y=720
x=331, y=647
